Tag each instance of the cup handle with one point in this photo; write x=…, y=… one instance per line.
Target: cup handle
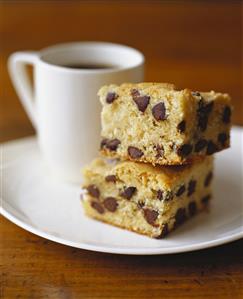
x=17, y=69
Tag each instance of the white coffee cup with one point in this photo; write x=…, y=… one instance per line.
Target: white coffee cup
x=63, y=105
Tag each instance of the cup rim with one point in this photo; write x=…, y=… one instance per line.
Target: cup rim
x=61, y=46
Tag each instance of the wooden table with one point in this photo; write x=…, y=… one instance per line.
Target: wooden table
x=192, y=44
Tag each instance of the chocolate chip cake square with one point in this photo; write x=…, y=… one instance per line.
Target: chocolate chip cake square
x=155, y=123
x=143, y=198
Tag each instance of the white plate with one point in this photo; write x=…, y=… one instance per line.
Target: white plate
x=35, y=201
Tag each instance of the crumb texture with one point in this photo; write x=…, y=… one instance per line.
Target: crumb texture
x=155, y=123
x=143, y=198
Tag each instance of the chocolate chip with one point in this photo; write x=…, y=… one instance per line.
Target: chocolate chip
x=192, y=208
x=159, y=111
x=160, y=151
x=184, y=150
x=103, y=143
x=181, y=190
x=181, y=126
x=222, y=138
x=150, y=215
x=208, y=107
x=160, y=194
x=200, y=145
x=110, y=178
x=112, y=144
x=93, y=191
x=168, y=196
x=164, y=232
x=200, y=104
x=191, y=187
x=226, y=115
x=203, y=122
x=204, y=108
x=208, y=179
x=111, y=96
x=180, y=216
x=140, y=204
x=142, y=102
x=211, y=148
x=196, y=93
x=128, y=192
x=110, y=204
x=135, y=93
x=206, y=199
x=203, y=112
x=134, y=152
x=97, y=206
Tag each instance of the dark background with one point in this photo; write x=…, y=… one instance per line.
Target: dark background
x=195, y=44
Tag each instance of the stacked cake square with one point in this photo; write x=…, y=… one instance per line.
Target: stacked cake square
x=157, y=146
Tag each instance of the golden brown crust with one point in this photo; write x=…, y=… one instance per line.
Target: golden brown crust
x=188, y=124
x=164, y=175
x=152, y=87
x=96, y=217
x=125, y=88
x=134, y=210
x=179, y=161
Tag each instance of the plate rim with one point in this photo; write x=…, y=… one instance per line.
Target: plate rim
x=113, y=249
x=119, y=250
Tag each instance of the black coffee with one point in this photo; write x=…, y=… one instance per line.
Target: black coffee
x=89, y=66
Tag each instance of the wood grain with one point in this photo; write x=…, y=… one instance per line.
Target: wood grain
x=192, y=44
x=37, y=268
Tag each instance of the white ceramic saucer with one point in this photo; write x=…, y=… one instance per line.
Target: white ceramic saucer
x=37, y=202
